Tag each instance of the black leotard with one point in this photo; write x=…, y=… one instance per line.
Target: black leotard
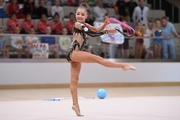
x=83, y=32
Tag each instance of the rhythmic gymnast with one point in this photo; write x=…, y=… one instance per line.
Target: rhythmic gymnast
x=76, y=55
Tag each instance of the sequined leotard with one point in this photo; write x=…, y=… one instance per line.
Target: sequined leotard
x=85, y=31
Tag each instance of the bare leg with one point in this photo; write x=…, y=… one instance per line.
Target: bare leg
x=85, y=57
x=27, y=52
x=19, y=51
x=140, y=52
x=155, y=50
x=54, y=49
x=7, y=53
x=159, y=51
x=75, y=70
x=136, y=50
x=127, y=53
x=122, y=52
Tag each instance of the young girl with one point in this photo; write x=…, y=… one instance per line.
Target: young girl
x=157, y=41
x=57, y=25
x=27, y=24
x=76, y=55
x=13, y=23
x=139, y=41
x=3, y=48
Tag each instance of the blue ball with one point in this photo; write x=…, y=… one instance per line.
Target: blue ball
x=101, y=93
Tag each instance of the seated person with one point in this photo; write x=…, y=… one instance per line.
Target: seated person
x=15, y=8
x=53, y=47
x=65, y=41
x=3, y=48
x=70, y=24
x=41, y=9
x=29, y=40
x=12, y=23
x=27, y=24
x=17, y=44
x=56, y=24
x=43, y=23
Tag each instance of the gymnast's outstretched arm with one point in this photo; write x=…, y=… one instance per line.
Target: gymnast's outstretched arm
x=99, y=29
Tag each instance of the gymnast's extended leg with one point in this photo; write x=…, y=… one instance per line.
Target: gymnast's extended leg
x=75, y=70
x=84, y=57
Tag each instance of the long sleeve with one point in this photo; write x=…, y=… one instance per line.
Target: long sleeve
x=62, y=13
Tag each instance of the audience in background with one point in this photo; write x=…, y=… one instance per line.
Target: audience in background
x=13, y=23
x=14, y=8
x=168, y=32
x=17, y=43
x=41, y=9
x=108, y=3
x=146, y=43
x=99, y=11
x=65, y=41
x=149, y=32
x=29, y=40
x=29, y=8
x=70, y=23
x=2, y=11
x=92, y=2
x=57, y=9
x=42, y=24
x=125, y=46
x=131, y=6
x=157, y=41
x=139, y=41
x=122, y=10
x=3, y=49
x=53, y=47
x=56, y=24
x=141, y=13
x=27, y=24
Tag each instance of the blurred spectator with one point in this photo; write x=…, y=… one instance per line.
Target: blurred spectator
x=92, y=2
x=3, y=48
x=89, y=20
x=168, y=31
x=122, y=10
x=49, y=2
x=85, y=4
x=65, y=41
x=71, y=2
x=27, y=24
x=41, y=9
x=57, y=9
x=13, y=23
x=157, y=41
x=53, y=47
x=29, y=8
x=17, y=43
x=149, y=31
x=146, y=43
x=57, y=25
x=70, y=23
x=125, y=46
x=139, y=41
x=29, y=40
x=108, y=3
x=141, y=13
x=131, y=5
x=21, y=1
x=106, y=51
x=42, y=24
x=99, y=11
x=2, y=11
x=14, y=8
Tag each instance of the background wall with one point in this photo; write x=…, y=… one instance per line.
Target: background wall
x=58, y=73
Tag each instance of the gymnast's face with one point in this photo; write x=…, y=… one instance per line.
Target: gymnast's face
x=81, y=15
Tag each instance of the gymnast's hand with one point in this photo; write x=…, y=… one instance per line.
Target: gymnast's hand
x=107, y=21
